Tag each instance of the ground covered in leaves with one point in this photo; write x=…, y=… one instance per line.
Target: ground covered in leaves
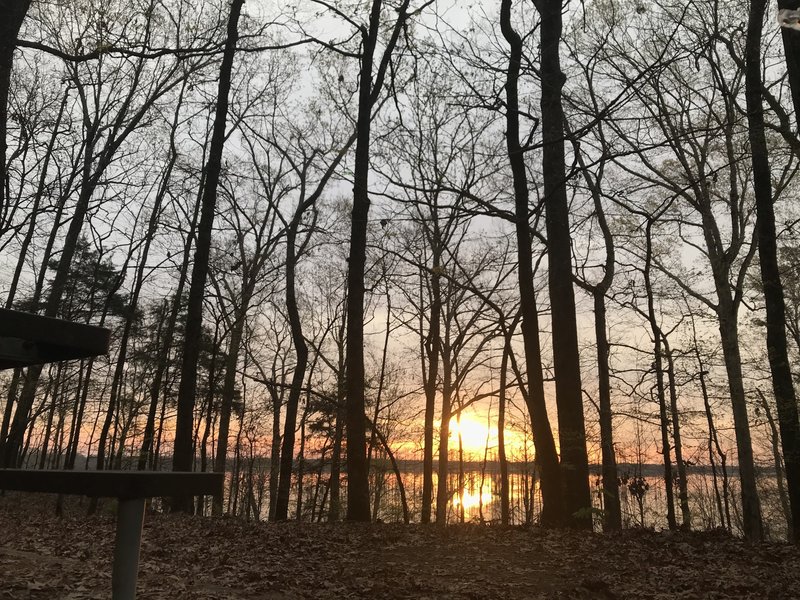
x=43, y=556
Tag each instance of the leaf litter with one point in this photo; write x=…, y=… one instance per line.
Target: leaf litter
x=44, y=556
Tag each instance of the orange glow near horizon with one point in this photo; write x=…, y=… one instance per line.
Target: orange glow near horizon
x=476, y=433
x=475, y=428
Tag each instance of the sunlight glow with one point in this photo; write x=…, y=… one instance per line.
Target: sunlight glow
x=472, y=499
x=474, y=430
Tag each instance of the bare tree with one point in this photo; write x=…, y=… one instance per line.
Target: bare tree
x=372, y=73
x=569, y=398
x=114, y=105
x=546, y=455
x=183, y=456
x=768, y=261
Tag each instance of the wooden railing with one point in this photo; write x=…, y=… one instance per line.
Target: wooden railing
x=131, y=488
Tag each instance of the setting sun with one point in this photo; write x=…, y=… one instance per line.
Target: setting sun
x=475, y=430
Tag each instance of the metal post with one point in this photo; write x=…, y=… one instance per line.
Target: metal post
x=130, y=517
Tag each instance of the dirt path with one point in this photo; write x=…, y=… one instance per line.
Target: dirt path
x=42, y=556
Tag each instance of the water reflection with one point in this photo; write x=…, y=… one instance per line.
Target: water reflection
x=471, y=499
x=474, y=496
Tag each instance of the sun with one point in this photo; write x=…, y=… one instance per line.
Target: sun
x=476, y=429
x=474, y=433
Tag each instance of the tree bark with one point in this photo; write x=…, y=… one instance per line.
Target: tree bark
x=275, y=451
x=357, y=474
x=546, y=454
x=505, y=496
x=566, y=360
x=228, y=391
x=12, y=13
x=770, y=274
x=334, y=512
x=298, y=376
x=774, y=440
x=183, y=456
x=432, y=349
x=612, y=513
x=683, y=490
x=358, y=508
x=659, y=373
x=713, y=438
x=442, y=493
x=791, y=48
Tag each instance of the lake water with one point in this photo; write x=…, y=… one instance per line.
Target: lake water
x=474, y=496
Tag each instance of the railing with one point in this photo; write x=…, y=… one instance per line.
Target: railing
x=131, y=489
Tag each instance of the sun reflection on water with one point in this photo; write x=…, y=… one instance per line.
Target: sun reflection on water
x=473, y=498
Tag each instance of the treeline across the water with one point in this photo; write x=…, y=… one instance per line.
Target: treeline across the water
x=474, y=495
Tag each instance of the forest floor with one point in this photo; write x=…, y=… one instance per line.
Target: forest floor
x=43, y=556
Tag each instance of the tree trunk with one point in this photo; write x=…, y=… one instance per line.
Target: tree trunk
x=275, y=450
x=442, y=494
x=78, y=406
x=505, y=508
x=301, y=466
x=566, y=360
x=791, y=48
x=182, y=457
x=713, y=438
x=298, y=376
x=8, y=412
x=612, y=513
x=659, y=373
x=373, y=438
x=432, y=349
x=209, y=416
x=770, y=274
x=12, y=14
x=358, y=508
x=397, y=474
x=43, y=447
x=334, y=512
x=683, y=490
x=164, y=345
x=357, y=472
x=460, y=481
x=729, y=335
x=546, y=455
x=228, y=390
x=774, y=439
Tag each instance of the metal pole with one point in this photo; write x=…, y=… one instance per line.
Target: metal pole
x=130, y=517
